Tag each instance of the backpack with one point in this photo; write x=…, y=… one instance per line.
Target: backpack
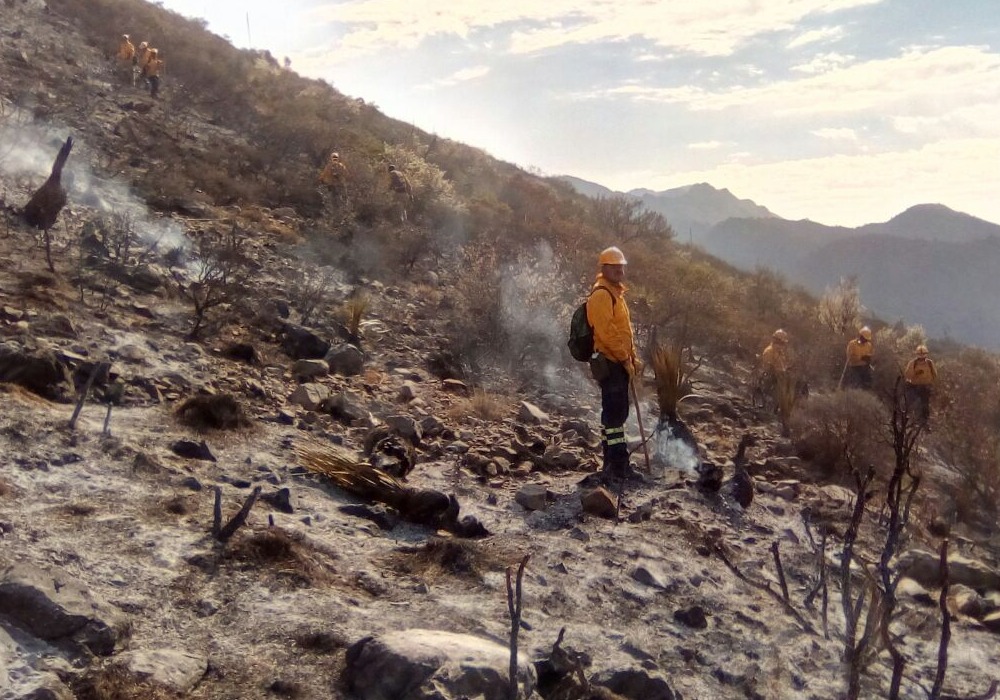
x=581, y=333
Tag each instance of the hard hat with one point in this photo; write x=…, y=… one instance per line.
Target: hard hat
x=124, y=36
x=144, y=45
x=922, y=350
x=612, y=256
x=335, y=155
x=865, y=333
x=155, y=52
x=391, y=166
x=781, y=336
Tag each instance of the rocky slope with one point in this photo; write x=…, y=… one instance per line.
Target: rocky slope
x=112, y=584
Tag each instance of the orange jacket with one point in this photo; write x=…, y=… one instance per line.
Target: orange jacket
x=608, y=313
x=774, y=359
x=333, y=173
x=126, y=50
x=920, y=372
x=859, y=353
x=153, y=68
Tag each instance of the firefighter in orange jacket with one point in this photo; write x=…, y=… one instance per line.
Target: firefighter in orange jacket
x=615, y=362
x=126, y=51
x=152, y=72
x=859, y=371
x=920, y=376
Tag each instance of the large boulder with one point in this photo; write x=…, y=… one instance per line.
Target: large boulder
x=300, y=343
x=635, y=684
x=55, y=606
x=924, y=567
x=420, y=664
x=37, y=370
x=347, y=360
x=179, y=670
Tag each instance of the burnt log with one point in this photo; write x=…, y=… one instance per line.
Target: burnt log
x=43, y=208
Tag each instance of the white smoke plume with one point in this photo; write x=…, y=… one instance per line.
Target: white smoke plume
x=674, y=453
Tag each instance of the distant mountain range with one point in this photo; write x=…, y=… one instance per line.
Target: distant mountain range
x=929, y=265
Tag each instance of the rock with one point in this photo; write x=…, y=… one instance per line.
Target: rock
x=189, y=449
x=280, y=500
x=8, y=314
x=693, y=617
x=580, y=427
x=533, y=497
x=649, y=574
x=309, y=369
x=967, y=602
x=242, y=352
x=992, y=622
x=417, y=664
x=599, y=502
x=908, y=588
x=54, y=606
x=132, y=354
x=408, y=391
x=178, y=670
x=39, y=371
x=347, y=407
x=924, y=567
x=531, y=414
x=310, y=396
x=560, y=458
x=57, y=325
x=405, y=427
x=21, y=674
x=384, y=517
x=346, y=360
x=431, y=426
x=455, y=386
x=300, y=343
x=636, y=684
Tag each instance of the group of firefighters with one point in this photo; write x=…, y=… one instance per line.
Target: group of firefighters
x=615, y=362
x=143, y=63
x=334, y=176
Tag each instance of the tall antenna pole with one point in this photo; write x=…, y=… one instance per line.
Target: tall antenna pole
x=249, y=40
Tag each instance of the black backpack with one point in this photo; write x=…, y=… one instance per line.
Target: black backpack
x=581, y=333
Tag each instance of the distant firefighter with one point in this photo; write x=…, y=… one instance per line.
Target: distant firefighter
x=126, y=51
x=920, y=376
x=139, y=61
x=152, y=71
x=334, y=175
x=858, y=369
x=401, y=189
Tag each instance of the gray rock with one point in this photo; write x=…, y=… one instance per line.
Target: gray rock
x=406, y=427
x=300, y=343
x=347, y=360
x=992, y=622
x=908, y=588
x=189, y=449
x=310, y=396
x=176, y=669
x=636, y=684
x=38, y=371
x=455, y=386
x=967, y=601
x=531, y=414
x=533, y=497
x=408, y=391
x=55, y=606
x=924, y=567
x=309, y=369
x=347, y=407
x=419, y=664
x=693, y=617
x=649, y=574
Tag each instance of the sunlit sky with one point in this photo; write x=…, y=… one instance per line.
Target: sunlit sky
x=840, y=111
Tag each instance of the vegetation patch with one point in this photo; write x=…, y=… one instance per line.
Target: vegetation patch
x=115, y=682
x=282, y=554
x=464, y=559
x=213, y=412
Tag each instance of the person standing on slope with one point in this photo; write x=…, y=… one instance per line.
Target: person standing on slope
x=859, y=371
x=920, y=376
x=615, y=362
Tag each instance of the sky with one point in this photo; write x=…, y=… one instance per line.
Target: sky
x=844, y=112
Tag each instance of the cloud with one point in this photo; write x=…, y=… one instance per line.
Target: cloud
x=710, y=28
x=705, y=145
x=825, y=35
x=842, y=134
x=824, y=63
x=460, y=76
x=919, y=82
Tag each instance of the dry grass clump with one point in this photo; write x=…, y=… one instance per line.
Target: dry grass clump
x=482, y=405
x=286, y=689
x=440, y=556
x=668, y=369
x=283, y=554
x=6, y=489
x=321, y=642
x=354, y=311
x=115, y=682
x=213, y=412
x=79, y=509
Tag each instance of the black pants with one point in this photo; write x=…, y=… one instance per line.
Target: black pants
x=154, y=85
x=859, y=377
x=918, y=398
x=614, y=413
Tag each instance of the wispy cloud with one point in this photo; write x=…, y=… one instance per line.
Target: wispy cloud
x=460, y=76
x=712, y=27
x=825, y=35
x=831, y=134
x=706, y=145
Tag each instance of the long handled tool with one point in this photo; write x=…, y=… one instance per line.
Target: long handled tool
x=642, y=429
x=843, y=372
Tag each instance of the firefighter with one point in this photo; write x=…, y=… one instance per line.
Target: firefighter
x=125, y=54
x=920, y=376
x=152, y=72
x=401, y=190
x=139, y=61
x=334, y=176
x=615, y=363
x=858, y=368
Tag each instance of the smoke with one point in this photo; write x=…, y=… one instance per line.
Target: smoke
x=672, y=452
x=26, y=154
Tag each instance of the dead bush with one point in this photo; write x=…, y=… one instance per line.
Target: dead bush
x=482, y=405
x=286, y=689
x=321, y=642
x=115, y=682
x=281, y=554
x=447, y=557
x=213, y=412
x=841, y=432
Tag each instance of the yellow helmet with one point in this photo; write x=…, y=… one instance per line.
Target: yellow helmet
x=612, y=256
x=922, y=350
x=780, y=335
x=865, y=333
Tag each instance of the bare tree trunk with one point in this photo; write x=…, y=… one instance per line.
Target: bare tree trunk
x=514, y=608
